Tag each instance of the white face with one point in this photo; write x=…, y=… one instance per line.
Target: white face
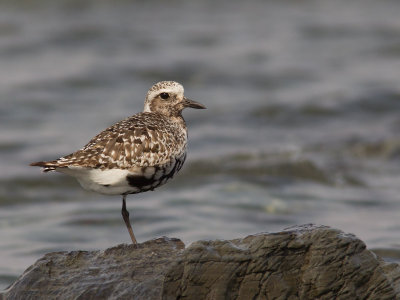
x=163, y=96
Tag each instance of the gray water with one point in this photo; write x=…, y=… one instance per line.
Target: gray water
x=302, y=123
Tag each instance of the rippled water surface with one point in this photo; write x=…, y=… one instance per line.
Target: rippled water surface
x=302, y=123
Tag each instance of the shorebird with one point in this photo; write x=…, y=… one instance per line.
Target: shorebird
x=137, y=154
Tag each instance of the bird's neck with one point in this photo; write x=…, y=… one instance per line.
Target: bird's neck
x=178, y=119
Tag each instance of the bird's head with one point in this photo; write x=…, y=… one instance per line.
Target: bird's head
x=166, y=97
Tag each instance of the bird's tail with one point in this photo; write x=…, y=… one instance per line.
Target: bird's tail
x=46, y=165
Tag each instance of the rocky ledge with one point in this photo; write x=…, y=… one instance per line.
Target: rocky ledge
x=303, y=262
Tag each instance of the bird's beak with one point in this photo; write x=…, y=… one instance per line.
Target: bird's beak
x=193, y=104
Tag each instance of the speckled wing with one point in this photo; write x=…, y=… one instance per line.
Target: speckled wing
x=142, y=140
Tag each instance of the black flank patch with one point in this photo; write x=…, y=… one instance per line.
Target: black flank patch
x=172, y=173
x=139, y=181
x=169, y=175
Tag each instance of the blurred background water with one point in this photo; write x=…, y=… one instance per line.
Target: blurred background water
x=302, y=123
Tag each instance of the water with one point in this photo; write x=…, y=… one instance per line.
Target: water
x=302, y=123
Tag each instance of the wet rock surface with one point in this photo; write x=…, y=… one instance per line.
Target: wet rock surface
x=302, y=262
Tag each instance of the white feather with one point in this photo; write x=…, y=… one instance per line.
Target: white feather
x=111, y=182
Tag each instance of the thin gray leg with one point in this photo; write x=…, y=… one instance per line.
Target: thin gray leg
x=125, y=216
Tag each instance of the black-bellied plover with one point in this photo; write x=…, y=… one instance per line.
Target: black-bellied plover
x=137, y=154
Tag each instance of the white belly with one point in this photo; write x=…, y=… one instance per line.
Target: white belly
x=109, y=182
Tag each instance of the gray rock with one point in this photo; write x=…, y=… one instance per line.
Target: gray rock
x=304, y=262
x=122, y=272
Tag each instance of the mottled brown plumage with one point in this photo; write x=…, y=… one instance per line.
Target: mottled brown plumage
x=134, y=155
x=145, y=139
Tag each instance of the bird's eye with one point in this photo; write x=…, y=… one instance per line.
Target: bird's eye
x=164, y=96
